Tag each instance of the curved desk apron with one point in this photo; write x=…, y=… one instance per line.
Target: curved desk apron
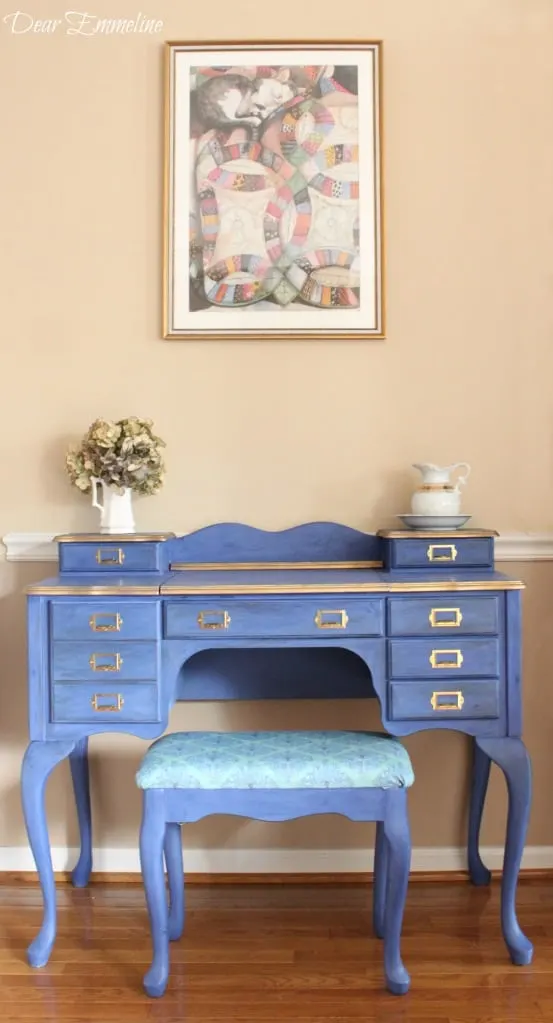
x=421, y=622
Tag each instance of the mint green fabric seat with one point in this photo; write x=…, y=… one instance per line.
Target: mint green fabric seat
x=275, y=760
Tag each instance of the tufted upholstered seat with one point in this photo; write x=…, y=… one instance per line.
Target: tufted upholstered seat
x=275, y=760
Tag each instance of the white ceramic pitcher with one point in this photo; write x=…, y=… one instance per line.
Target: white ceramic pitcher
x=116, y=508
x=437, y=495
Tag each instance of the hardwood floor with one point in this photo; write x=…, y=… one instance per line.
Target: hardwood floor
x=272, y=953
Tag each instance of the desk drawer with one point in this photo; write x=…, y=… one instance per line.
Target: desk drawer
x=106, y=703
x=432, y=658
x=442, y=616
x=442, y=553
x=104, y=660
x=109, y=557
x=217, y=618
x=417, y=701
x=103, y=620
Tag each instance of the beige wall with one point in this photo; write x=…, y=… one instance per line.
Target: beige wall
x=278, y=433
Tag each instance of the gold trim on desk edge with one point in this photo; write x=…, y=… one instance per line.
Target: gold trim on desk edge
x=435, y=534
x=105, y=538
x=257, y=566
x=36, y=589
x=397, y=587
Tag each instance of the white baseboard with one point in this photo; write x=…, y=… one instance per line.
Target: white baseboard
x=509, y=547
x=274, y=861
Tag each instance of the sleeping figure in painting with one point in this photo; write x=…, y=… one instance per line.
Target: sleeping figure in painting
x=228, y=99
x=274, y=174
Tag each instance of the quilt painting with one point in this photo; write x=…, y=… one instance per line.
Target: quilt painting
x=273, y=213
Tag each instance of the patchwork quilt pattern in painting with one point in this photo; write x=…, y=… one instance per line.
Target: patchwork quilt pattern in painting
x=274, y=219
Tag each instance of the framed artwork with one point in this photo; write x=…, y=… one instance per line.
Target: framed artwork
x=273, y=211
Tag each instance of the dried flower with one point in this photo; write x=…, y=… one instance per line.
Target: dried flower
x=122, y=454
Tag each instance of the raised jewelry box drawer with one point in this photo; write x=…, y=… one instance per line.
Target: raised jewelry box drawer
x=437, y=551
x=416, y=701
x=432, y=658
x=442, y=553
x=106, y=556
x=104, y=659
x=120, y=619
x=106, y=703
x=228, y=619
x=441, y=615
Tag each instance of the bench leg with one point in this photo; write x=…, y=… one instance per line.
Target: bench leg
x=175, y=874
x=152, y=837
x=398, y=839
x=380, y=874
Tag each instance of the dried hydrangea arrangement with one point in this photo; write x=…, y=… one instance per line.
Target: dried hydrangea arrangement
x=122, y=454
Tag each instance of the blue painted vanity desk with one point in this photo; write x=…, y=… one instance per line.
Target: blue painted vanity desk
x=132, y=623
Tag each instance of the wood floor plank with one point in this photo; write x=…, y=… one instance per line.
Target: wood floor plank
x=277, y=953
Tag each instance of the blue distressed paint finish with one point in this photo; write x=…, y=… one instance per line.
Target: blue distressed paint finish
x=513, y=632
x=138, y=701
x=512, y=757
x=423, y=701
x=241, y=618
x=313, y=541
x=110, y=558
x=340, y=760
x=481, y=764
x=104, y=620
x=104, y=661
x=378, y=647
x=284, y=673
x=459, y=614
x=78, y=760
x=443, y=659
x=439, y=554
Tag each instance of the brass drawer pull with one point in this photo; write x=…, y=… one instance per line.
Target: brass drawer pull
x=457, y=696
x=106, y=666
x=436, y=547
x=107, y=556
x=446, y=664
x=111, y=622
x=115, y=705
x=321, y=619
x=445, y=623
x=214, y=619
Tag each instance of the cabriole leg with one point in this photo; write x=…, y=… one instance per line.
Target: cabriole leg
x=38, y=763
x=512, y=757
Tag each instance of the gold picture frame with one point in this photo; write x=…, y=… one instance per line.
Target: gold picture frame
x=273, y=206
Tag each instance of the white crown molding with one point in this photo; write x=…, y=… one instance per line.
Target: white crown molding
x=274, y=861
x=508, y=547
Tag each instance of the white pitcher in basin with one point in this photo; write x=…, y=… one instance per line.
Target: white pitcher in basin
x=116, y=508
x=437, y=495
